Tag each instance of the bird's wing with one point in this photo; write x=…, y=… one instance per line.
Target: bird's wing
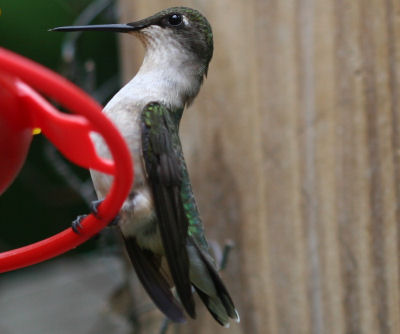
x=163, y=159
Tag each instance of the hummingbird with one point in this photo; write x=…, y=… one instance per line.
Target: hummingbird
x=160, y=221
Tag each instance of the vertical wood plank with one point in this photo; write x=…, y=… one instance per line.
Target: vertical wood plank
x=293, y=148
x=326, y=148
x=277, y=76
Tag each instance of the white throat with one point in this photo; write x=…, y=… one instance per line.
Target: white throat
x=169, y=73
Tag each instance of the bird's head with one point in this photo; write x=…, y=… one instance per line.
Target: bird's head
x=179, y=32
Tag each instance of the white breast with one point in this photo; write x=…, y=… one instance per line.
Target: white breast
x=166, y=76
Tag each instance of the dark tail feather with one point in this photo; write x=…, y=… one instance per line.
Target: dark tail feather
x=206, y=301
x=154, y=283
x=210, y=287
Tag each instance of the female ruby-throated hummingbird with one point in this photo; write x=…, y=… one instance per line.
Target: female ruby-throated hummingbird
x=159, y=220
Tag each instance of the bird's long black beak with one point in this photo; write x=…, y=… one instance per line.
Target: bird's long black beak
x=134, y=26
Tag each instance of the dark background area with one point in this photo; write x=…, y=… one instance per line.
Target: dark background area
x=40, y=202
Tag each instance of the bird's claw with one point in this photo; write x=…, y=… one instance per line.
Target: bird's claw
x=77, y=224
x=115, y=221
x=94, y=206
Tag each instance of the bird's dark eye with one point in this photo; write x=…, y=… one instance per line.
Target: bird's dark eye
x=175, y=19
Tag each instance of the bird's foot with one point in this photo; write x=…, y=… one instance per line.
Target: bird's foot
x=115, y=221
x=76, y=224
x=225, y=254
x=94, y=206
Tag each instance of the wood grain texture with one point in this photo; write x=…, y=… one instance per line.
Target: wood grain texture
x=293, y=148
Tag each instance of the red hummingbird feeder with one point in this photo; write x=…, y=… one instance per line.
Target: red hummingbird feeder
x=23, y=109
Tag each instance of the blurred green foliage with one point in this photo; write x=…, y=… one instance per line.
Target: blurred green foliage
x=40, y=202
